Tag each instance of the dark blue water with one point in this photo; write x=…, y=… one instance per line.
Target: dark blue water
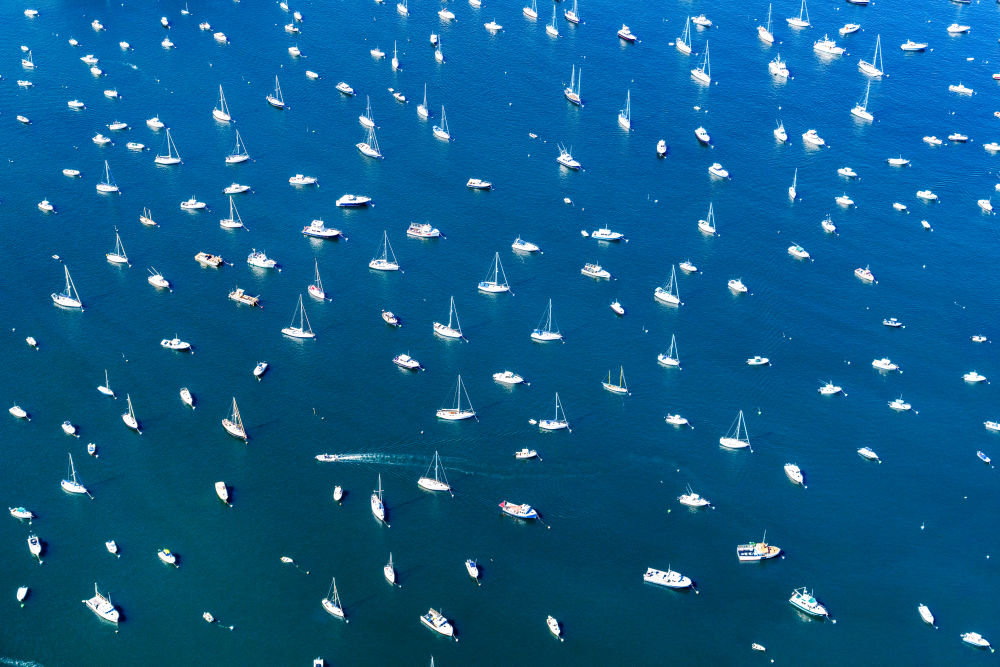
x=873, y=541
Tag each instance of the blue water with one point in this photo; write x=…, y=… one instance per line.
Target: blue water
x=872, y=541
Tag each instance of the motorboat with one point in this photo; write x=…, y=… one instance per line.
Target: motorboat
x=932, y=141
x=668, y=578
x=135, y=146
x=827, y=46
x=300, y=179
x=437, y=622
x=925, y=614
x=804, y=601
x=494, y=27
x=676, y=420
x=117, y=126
x=975, y=639
x=100, y=139
x=961, y=89
x=626, y=34
x=982, y=457
x=186, y=397
x=407, y=362
x=736, y=286
x=927, y=195
x=618, y=308
x=524, y=454
x=318, y=229
x=193, y=204
x=991, y=147
x=973, y=377
x=18, y=412
x=345, y=88
x=524, y=511
x=893, y=323
x=844, y=200
x=798, y=252
x=661, y=148
x=208, y=259
x=758, y=361
x=259, y=259
x=520, y=245
x=508, y=377
x=812, y=137
x=76, y=104
x=869, y=453
x=102, y=607
x=701, y=21
x=327, y=458
x=166, y=43
x=864, y=275
x=220, y=37
x=97, y=25
x=311, y=74
x=958, y=137
x=422, y=230
x=778, y=67
x=235, y=189
x=554, y=627
x=794, y=473
x=111, y=94
x=910, y=45
x=884, y=364
x=718, y=171
x=240, y=295
x=566, y=159
x=605, y=234
x=390, y=318
x=957, y=29
x=979, y=338
x=703, y=136
x=68, y=428
x=349, y=200
x=849, y=28
x=176, y=344
x=167, y=556
x=692, y=499
x=847, y=172
x=897, y=161
x=754, y=552
x=21, y=513
x=830, y=389
x=45, y=206
x=478, y=184
x=35, y=547
x=899, y=405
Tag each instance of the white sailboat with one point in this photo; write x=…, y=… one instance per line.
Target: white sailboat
x=382, y=262
x=703, y=74
x=764, y=33
x=234, y=221
x=492, y=283
x=558, y=421
x=625, y=115
x=683, y=43
x=439, y=482
x=108, y=185
x=737, y=436
x=71, y=484
x=873, y=68
x=369, y=147
x=275, y=99
x=460, y=411
x=68, y=298
x=129, y=417
x=106, y=387
x=860, y=110
x=316, y=288
x=172, y=157
x=366, y=119
x=707, y=226
x=441, y=131
x=118, y=256
x=239, y=153
x=621, y=387
x=572, y=92
x=669, y=295
x=233, y=423
x=378, y=506
x=791, y=188
x=221, y=113
x=395, y=58
x=389, y=571
x=552, y=30
x=302, y=329
x=422, y=107
x=670, y=358
x=548, y=331
x=802, y=20
x=453, y=329
x=332, y=601
x=572, y=15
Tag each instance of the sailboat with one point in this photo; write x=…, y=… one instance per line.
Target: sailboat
x=671, y=358
x=129, y=417
x=71, y=484
x=625, y=115
x=791, y=189
x=316, y=288
x=303, y=330
x=366, y=119
x=221, y=113
x=441, y=131
x=458, y=412
x=703, y=73
x=765, y=33
x=572, y=92
x=860, y=110
x=402, y=9
x=275, y=99
x=233, y=221
x=669, y=295
x=68, y=298
x=707, y=226
x=737, y=436
x=548, y=331
x=369, y=147
x=619, y=388
x=118, y=256
x=383, y=263
x=106, y=387
x=389, y=571
x=799, y=21
x=172, y=157
x=395, y=58
x=332, y=601
x=438, y=53
x=532, y=11
x=439, y=482
x=108, y=184
x=683, y=43
x=422, y=108
x=492, y=284
x=239, y=153
x=572, y=15
x=873, y=68
x=453, y=329
x=378, y=507
x=558, y=421
x=234, y=424
x=551, y=29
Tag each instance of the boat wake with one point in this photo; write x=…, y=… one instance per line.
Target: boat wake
x=19, y=663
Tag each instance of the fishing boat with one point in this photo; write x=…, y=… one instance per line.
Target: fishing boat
x=239, y=153
x=436, y=621
x=107, y=185
x=546, y=330
x=884, y=364
x=193, y=204
x=221, y=113
x=112, y=548
x=703, y=74
x=275, y=99
x=874, y=67
x=558, y=421
x=606, y=234
x=864, y=275
x=383, y=262
x=804, y=601
x=525, y=511
x=317, y=229
x=595, y=271
x=102, y=607
x=441, y=131
x=171, y=157
x=692, y=499
x=670, y=358
x=668, y=578
x=737, y=436
x=460, y=411
x=378, y=506
x=753, y=552
x=129, y=417
x=369, y=147
x=260, y=260
x=302, y=329
x=670, y=295
x=222, y=492
x=566, y=159
x=439, y=481
x=71, y=484
x=617, y=308
x=828, y=226
x=802, y=20
x=860, y=110
x=572, y=91
x=389, y=571
x=233, y=423
x=794, y=473
x=764, y=32
x=619, y=388
x=778, y=67
x=472, y=567
x=683, y=43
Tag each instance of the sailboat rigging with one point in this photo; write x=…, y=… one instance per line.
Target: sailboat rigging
x=129, y=417
x=737, y=436
x=275, y=99
x=459, y=411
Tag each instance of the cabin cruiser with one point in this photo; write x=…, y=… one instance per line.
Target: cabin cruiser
x=299, y=179
x=794, y=473
x=520, y=245
x=595, y=271
x=830, y=389
x=626, y=34
x=437, y=622
x=518, y=511
x=235, y=189
x=754, y=552
x=422, y=230
x=737, y=287
x=758, y=361
x=718, y=171
x=975, y=639
x=261, y=260
x=926, y=195
x=899, y=405
x=508, y=377
x=478, y=184
x=827, y=46
x=117, y=125
x=692, y=499
x=661, y=148
x=958, y=137
x=864, y=275
x=702, y=21
x=957, y=29
x=669, y=579
x=812, y=137
x=175, y=344
x=899, y=206
x=135, y=146
x=778, y=67
x=798, y=252
x=974, y=377
x=961, y=89
x=910, y=45
x=605, y=234
x=317, y=229
x=566, y=159
x=345, y=88
x=844, y=200
x=849, y=28
x=885, y=364
x=898, y=161
x=45, y=206
x=702, y=134
x=167, y=556
x=407, y=362
x=100, y=139
x=892, y=322
x=806, y=602
x=353, y=200
x=192, y=204
x=991, y=147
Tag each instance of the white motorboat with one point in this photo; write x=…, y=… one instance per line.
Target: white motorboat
x=45, y=206
x=494, y=27
x=624, y=34
x=979, y=338
x=547, y=330
x=925, y=614
x=958, y=137
x=566, y=159
x=101, y=606
x=167, y=556
x=558, y=421
x=176, y=344
x=758, y=361
x=111, y=94
x=618, y=308
x=422, y=230
x=21, y=513
x=338, y=493
x=18, y=412
x=847, y=172
x=260, y=369
x=69, y=429
x=97, y=25
x=260, y=260
x=794, y=473
x=718, y=171
x=692, y=499
x=701, y=21
x=193, y=204
x=407, y=362
x=478, y=184
x=737, y=436
x=457, y=409
x=377, y=53
x=135, y=146
x=804, y=601
x=436, y=621
x=661, y=148
x=894, y=323
x=100, y=139
x=828, y=47
x=222, y=492
x=812, y=138
x=973, y=377
x=991, y=147
x=884, y=364
x=736, y=286
x=437, y=482
x=702, y=134
x=798, y=252
x=235, y=189
x=318, y=229
x=849, y=29
x=899, y=405
x=520, y=245
x=117, y=126
x=524, y=454
x=676, y=420
x=910, y=45
x=961, y=89
x=844, y=200
x=926, y=195
x=523, y=511
x=754, y=552
x=957, y=29
x=112, y=547
x=830, y=389
x=349, y=200
x=976, y=639
x=606, y=234
x=302, y=328
x=932, y=140
x=300, y=179
x=220, y=37
x=35, y=547
x=869, y=453
x=864, y=275
x=668, y=578
x=508, y=377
